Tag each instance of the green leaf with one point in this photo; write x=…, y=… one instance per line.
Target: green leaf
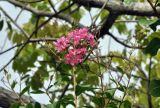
x=154, y=25
x=103, y=14
x=121, y=87
x=98, y=101
x=15, y=105
x=88, y=106
x=111, y=105
x=22, y=107
x=51, y=106
x=120, y=69
x=127, y=104
x=63, y=5
x=8, y=76
x=110, y=93
x=37, y=105
x=68, y=99
x=152, y=47
x=121, y=27
x=29, y=105
x=155, y=88
x=24, y=90
x=37, y=92
x=9, y=25
x=25, y=77
x=82, y=88
x=158, y=4
x=1, y=24
x=36, y=81
x=13, y=84
x=145, y=22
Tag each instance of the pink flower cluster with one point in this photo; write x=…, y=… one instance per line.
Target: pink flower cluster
x=61, y=44
x=76, y=44
x=75, y=56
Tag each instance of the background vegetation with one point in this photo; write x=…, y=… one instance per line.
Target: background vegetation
x=127, y=78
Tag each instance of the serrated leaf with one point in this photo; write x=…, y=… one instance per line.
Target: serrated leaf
x=154, y=88
x=152, y=47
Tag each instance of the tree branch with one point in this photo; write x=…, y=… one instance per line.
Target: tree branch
x=33, y=1
x=122, y=43
x=107, y=24
x=7, y=98
x=30, y=41
x=43, y=13
x=154, y=8
x=139, y=9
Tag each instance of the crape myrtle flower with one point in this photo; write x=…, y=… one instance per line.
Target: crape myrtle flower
x=75, y=45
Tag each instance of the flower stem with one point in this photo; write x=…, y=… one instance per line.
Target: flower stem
x=74, y=87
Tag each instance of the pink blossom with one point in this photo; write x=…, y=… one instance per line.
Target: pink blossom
x=74, y=42
x=61, y=44
x=75, y=56
x=78, y=35
x=91, y=40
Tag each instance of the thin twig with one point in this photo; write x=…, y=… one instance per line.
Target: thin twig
x=122, y=43
x=149, y=98
x=126, y=21
x=74, y=87
x=5, y=13
x=64, y=91
x=125, y=58
x=154, y=8
x=52, y=5
x=105, y=3
x=33, y=1
x=30, y=41
x=127, y=86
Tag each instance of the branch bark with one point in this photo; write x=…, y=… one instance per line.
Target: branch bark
x=137, y=8
x=7, y=98
x=108, y=24
x=42, y=13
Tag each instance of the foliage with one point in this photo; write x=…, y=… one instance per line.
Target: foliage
x=97, y=80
